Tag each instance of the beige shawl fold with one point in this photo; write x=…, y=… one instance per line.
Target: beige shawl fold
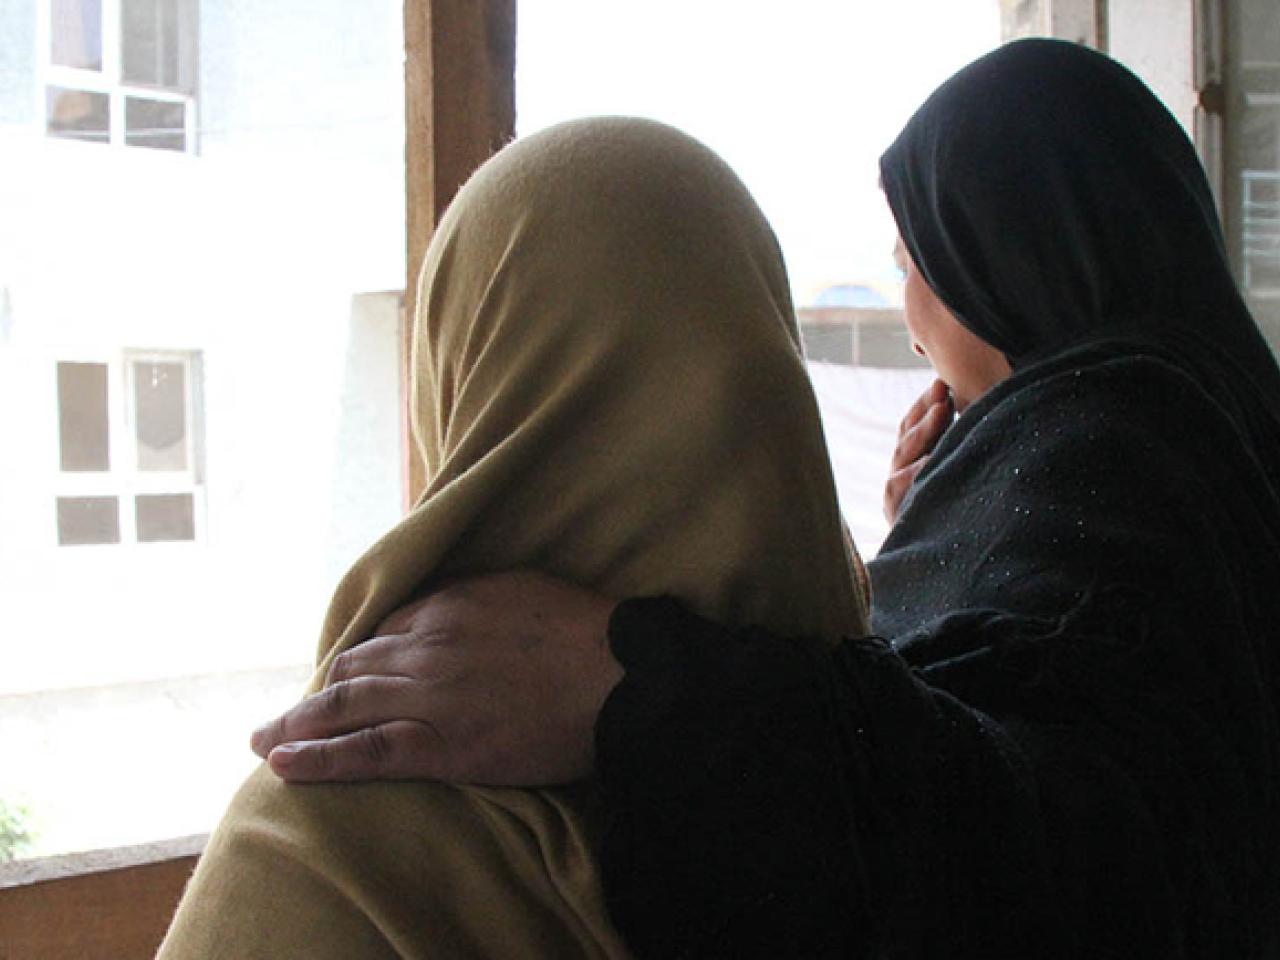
x=607, y=386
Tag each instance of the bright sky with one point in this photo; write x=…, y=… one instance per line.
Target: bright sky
x=800, y=97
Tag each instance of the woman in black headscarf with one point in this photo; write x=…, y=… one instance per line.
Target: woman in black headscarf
x=1067, y=747
x=1090, y=556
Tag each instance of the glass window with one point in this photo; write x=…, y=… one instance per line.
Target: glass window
x=149, y=492
x=165, y=517
x=122, y=72
x=83, y=431
x=160, y=415
x=78, y=114
x=76, y=34
x=1260, y=229
x=83, y=520
x=155, y=123
x=150, y=42
x=1251, y=191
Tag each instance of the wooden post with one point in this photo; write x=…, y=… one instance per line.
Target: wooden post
x=459, y=110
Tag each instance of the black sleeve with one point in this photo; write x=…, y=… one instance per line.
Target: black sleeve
x=771, y=797
x=728, y=828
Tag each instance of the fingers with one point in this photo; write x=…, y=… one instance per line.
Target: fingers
x=913, y=444
x=896, y=488
x=920, y=438
x=392, y=655
x=936, y=393
x=401, y=749
x=341, y=708
x=918, y=435
x=929, y=430
x=471, y=691
x=916, y=410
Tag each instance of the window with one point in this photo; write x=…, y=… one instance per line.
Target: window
x=128, y=450
x=1251, y=154
x=199, y=389
x=121, y=72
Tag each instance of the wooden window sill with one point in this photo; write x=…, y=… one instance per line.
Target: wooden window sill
x=110, y=904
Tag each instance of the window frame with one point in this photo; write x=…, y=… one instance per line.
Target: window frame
x=109, y=80
x=1213, y=132
x=459, y=109
x=446, y=137
x=1249, y=177
x=122, y=479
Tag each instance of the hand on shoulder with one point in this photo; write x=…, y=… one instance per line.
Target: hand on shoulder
x=496, y=680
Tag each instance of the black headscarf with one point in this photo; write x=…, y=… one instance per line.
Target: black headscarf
x=1051, y=201
x=1060, y=213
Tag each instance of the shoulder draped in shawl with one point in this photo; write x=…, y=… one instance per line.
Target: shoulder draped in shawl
x=607, y=386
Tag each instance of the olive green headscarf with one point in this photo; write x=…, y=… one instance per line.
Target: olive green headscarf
x=607, y=386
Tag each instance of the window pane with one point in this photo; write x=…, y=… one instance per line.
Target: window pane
x=88, y=520
x=83, y=434
x=160, y=413
x=1253, y=155
x=76, y=34
x=78, y=114
x=149, y=42
x=155, y=123
x=1261, y=232
x=165, y=517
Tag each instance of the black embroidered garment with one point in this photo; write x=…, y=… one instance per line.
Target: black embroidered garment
x=1069, y=747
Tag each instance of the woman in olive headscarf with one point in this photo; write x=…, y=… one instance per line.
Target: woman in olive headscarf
x=1069, y=746
x=607, y=386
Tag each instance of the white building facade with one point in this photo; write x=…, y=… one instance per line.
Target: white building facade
x=201, y=213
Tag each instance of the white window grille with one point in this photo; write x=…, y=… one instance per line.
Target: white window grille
x=1260, y=227
x=129, y=450
x=120, y=72
x=1238, y=127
